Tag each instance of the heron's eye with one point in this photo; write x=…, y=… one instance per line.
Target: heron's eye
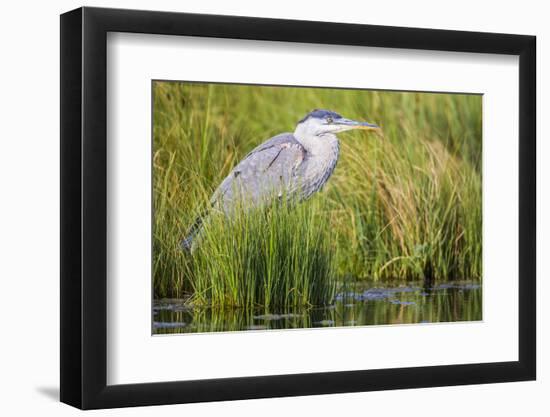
x=329, y=120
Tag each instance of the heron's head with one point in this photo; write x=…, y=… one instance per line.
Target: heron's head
x=322, y=122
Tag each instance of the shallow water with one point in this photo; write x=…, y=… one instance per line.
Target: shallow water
x=355, y=305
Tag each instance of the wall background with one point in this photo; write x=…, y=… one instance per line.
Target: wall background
x=29, y=225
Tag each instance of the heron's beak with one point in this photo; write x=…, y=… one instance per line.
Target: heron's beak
x=353, y=124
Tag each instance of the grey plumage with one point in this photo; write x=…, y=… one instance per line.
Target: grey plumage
x=270, y=170
x=289, y=165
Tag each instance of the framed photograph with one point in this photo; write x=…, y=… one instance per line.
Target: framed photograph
x=258, y=208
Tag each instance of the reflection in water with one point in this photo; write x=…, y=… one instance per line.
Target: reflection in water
x=356, y=305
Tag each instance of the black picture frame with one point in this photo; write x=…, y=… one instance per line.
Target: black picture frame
x=84, y=207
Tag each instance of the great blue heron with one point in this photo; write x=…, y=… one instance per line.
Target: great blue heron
x=293, y=165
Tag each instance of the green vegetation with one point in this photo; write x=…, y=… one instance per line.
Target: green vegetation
x=405, y=206
x=274, y=256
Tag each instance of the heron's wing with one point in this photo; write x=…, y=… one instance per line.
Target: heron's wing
x=266, y=172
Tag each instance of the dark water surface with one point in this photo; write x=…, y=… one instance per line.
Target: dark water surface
x=356, y=305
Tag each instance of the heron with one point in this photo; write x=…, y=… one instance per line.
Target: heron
x=289, y=165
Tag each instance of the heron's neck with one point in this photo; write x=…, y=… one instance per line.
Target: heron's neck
x=316, y=145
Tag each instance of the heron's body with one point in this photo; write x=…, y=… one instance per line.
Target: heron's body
x=282, y=167
x=289, y=165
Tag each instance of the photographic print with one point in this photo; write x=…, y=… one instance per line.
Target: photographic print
x=280, y=207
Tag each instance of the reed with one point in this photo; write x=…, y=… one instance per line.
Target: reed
x=276, y=256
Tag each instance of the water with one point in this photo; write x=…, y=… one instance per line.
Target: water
x=355, y=305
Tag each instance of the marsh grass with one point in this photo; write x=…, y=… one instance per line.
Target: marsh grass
x=405, y=206
x=276, y=256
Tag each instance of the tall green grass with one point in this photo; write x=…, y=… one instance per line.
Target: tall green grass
x=273, y=256
x=407, y=205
